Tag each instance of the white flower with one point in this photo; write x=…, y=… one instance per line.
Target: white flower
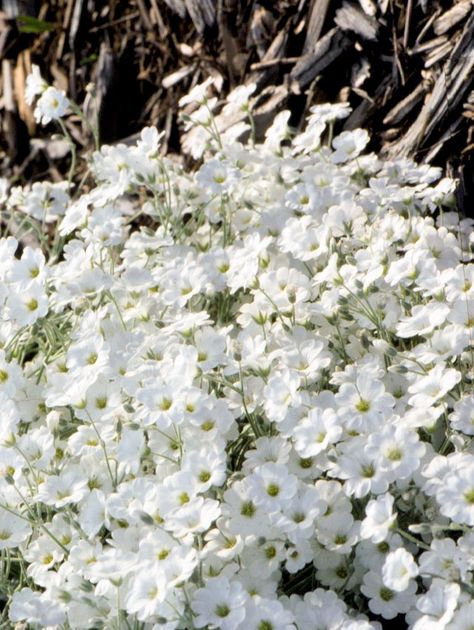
x=456, y=494
x=385, y=601
x=35, y=84
x=340, y=536
x=277, y=131
x=423, y=320
x=45, y=201
x=238, y=99
x=197, y=94
x=28, y=304
x=93, y=513
x=349, y=144
x=329, y=111
x=379, y=518
x=36, y=608
x=193, y=517
x=396, y=450
x=30, y=268
x=13, y=529
x=298, y=519
x=398, y=569
x=207, y=465
x=462, y=418
x=316, y=432
x=263, y=557
x=360, y=472
x=363, y=404
x=445, y=559
x=463, y=617
x=69, y=487
x=221, y=603
x=147, y=594
x=51, y=105
x=11, y=379
x=217, y=176
x=438, y=605
x=267, y=613
x=272, y=486
x=245, y=515
x=280, y=394
x=427, y=390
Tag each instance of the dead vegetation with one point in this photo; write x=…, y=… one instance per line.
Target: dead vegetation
x=406, y=67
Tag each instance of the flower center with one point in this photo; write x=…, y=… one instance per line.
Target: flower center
x=273, y=490
x=222, y=610
x=385, y=594
x=363, y=405
x=469, y=496
x=247, y=509
x=394, y=454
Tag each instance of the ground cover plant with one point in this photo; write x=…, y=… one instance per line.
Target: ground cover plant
x=238, y=396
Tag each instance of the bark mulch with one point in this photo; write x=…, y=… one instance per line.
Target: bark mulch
x=405, y=66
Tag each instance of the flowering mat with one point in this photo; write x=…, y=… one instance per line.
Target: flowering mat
x=239, y=397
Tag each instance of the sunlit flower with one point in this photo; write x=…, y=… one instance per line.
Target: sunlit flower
x=51, y=105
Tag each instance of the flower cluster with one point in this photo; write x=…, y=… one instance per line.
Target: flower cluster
x=239, y=397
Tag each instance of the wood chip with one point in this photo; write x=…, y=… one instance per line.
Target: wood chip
x=21, y=71
x=145, y=15
x=368, y=7
x=326, y=51
x=452, y=17
x=201, y=12
x=177, y=6
x=261, y=29
x=7, y=74
x=264, y=70
x=447, y=135
x=11, y=8
x=437, y=54
x=404, y=107
x=75, y=22
x=359, y=117
x=316, y=18
x=158, y=19
x=66, y=21
x=179, y=75
x=5, y=30
x=269, y=103
x=231, y=46
x=432, y=43
x=351, y=18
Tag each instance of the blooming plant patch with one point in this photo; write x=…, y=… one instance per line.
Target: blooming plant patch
x=238, y=397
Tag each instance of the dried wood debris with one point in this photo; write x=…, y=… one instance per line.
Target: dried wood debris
x=406, y=67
